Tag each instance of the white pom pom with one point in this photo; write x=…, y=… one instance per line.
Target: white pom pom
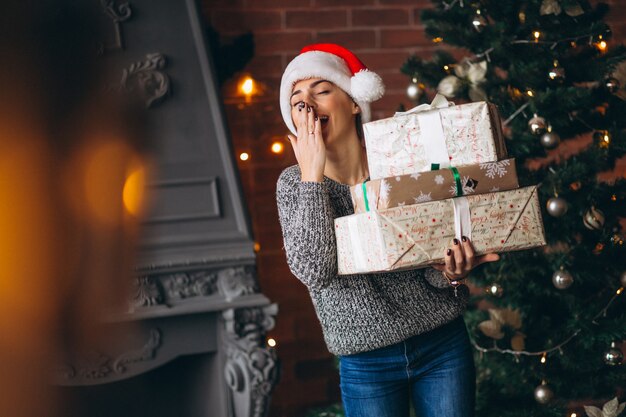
x=366, y=86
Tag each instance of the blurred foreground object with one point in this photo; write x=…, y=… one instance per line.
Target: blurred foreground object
x=67, y=148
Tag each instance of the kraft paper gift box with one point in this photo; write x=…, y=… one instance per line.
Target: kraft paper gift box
x=416, y=188
x=437, y=134
x=415, y=236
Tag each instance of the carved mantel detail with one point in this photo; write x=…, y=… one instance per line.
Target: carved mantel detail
x=95, y=365
x=168, y=289
x=147, y=80
x=118, y=14
x=251, y=368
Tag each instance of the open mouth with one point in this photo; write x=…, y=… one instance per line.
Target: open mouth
x=323, y=120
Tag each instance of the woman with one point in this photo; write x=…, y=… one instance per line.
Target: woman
x=398, y=335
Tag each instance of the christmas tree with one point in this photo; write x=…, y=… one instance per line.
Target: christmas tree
x=549, y=331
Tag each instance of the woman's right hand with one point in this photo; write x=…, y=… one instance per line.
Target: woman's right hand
x=309, y=145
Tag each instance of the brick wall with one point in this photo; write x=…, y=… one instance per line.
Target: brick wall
x=383, y=33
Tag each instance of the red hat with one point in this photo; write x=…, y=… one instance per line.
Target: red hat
x=338, y=65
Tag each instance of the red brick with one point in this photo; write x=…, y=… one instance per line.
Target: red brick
x=236, y=21
x=403, y=38
x=266, y=64
x=422, y=4
x=390, y=103
x=268, y=43
x=222, y=4
x=352, y=39
x=343, y=3
x=380, y=17
x=381, y=60
x=317, y=20
x=273, y=4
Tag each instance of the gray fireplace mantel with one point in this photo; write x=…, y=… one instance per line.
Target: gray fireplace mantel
x=195, y=290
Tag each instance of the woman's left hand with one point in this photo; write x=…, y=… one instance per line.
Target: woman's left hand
x=460, y=259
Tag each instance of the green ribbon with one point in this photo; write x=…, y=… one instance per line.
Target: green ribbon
x=367, y=206
x=457, y=178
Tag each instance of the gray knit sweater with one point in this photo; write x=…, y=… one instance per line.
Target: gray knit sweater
x=357, y=312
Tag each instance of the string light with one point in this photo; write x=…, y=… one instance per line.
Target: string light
x=543, y=353
x=602, y=46
x=257, y=247
x=438, y=39
x=530, y=93
x=244, y=156
x=543, y=358
x=277, y=147
x=271, y=342
x=536, y=35
x=573, y=415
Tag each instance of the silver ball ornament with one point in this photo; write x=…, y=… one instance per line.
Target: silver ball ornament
x=594, y=219
x=543, y=393
x=562, y=279
x=550, y=140
x=413, y=91
x=556, y=206
x=612, y=85
x=613, y=356
x=537, y=125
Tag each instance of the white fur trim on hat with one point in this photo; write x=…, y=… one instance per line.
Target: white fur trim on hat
x=364, y=87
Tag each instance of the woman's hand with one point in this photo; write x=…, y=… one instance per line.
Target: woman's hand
x=309, y=145
x=460, y=260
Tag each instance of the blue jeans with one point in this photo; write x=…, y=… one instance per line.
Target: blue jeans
x=435, y=370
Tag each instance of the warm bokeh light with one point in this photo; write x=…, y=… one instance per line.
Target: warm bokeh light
x=271, y=342
x=277, y=147
x=247, y=87
x=543, y=358
x=257, y=247
x=536, y=35
x=438, y=39
x=244, y=156
x=105, y=172
x=530, y=93
x=134, y=190
x=602, y=46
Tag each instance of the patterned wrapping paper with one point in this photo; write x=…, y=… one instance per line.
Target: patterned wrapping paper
x=421, y=187
x=415, y=236
x=397, y=145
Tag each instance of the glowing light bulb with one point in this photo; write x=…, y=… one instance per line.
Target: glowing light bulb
x=602, y=46
x=271, y=342
x=277, y=147
x=620, y=290
x=248, y=86
x=530, y=93
x=536, y=35
x=244, y=156
x=543, y=357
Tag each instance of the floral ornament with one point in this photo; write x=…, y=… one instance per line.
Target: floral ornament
x=610, y=409
x=466, y=72
x=500, y=318
x=553, y=7
x=550, y=7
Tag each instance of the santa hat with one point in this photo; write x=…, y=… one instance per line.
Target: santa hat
x=338, y=65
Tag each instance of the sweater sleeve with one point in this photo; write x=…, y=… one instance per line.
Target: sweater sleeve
x=307, y=224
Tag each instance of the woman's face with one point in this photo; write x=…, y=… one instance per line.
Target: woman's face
x=330, y=103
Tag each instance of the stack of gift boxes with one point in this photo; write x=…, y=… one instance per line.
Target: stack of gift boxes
x=438, y=172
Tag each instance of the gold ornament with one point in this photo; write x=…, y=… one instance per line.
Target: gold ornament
x=594, y=219
x=537, y=125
